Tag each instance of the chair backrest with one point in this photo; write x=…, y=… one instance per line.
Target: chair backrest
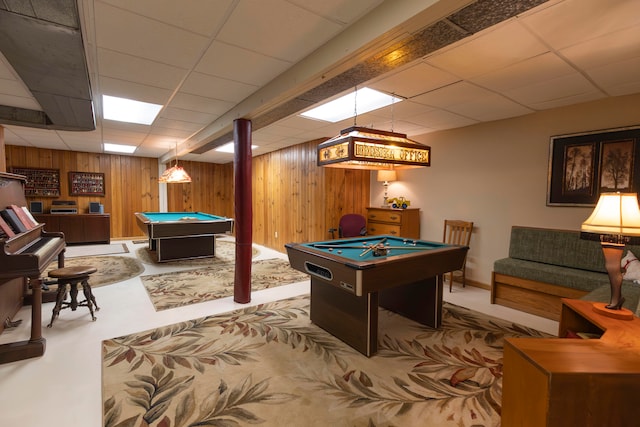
x=352, y=225
x=457, y=232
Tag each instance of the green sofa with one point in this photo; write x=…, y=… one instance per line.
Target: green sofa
x=545, y=265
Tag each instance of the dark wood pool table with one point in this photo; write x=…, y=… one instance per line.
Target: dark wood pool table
x=349, y=283
x=182, y=235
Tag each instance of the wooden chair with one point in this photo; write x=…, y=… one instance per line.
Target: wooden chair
x=351, y=225
x=457, y=232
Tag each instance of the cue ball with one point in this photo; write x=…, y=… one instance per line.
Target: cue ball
x=330, y=249
x=339, y=251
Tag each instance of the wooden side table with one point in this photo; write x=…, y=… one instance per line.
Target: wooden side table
x=574, y=382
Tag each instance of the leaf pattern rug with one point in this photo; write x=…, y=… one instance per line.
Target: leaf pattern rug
x=269, y=365
x=170, y=290
x=111, y=269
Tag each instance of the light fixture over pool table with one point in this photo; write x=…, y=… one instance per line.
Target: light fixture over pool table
x=364, y=148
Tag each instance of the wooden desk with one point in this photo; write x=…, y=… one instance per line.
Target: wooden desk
x=574, y=382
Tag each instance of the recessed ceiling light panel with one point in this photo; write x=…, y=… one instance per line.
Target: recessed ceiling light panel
x=361, y=101
x=118, y=148
x=129, y=110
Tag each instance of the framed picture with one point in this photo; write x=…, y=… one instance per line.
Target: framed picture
x=86, y=184
x=581, y=166
x=40, y=182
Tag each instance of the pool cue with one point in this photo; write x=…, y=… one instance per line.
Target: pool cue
x=372, y=246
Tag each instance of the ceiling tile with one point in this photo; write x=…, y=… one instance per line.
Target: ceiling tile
x=238, y=64
x=136, y=35
x=491, y=50
x=135, y=69
x=338, y=10
x=618, y=78
x=607, y=49
x=555, y=91
x=186, y=101
x=525, y=73
x=289, y=34
x=573, y=21
x=199, y=16
x=441, y=119
x=131, y=90
x=414, y=80
x=216, y=87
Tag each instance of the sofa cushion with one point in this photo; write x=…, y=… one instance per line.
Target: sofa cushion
x=583, y=280
x=562, y=248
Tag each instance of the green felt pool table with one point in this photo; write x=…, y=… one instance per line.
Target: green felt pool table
x=350, y=278
x=182, y=235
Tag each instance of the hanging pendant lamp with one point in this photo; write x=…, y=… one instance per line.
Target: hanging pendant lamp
x=175, y=174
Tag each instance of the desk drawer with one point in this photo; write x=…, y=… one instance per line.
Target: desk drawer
x=377, y=228
x=383, y=216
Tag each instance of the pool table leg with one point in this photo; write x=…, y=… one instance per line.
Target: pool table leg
x=420, y=301
x=350, y=318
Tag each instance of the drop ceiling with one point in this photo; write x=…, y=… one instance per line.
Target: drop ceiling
x=456, y=63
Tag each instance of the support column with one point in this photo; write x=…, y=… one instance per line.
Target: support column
x=3, y=156
x=243, y=209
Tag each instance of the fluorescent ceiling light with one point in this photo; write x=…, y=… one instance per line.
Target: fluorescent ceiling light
x=229, y=148
x=364, y=100
x=128, y=110
x=117, y=148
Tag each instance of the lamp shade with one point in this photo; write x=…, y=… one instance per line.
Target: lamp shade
x=174, y=175
x=387, y=175
x=615, y=214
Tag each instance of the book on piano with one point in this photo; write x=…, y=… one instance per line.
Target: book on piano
x=12, y=219
x=30, y=216
x=8, y=231
x=22, y=216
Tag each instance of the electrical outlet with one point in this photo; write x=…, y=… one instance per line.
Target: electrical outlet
x=276, y=234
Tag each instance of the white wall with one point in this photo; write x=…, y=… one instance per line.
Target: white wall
x=495, y=174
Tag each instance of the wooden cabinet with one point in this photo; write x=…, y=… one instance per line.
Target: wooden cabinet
x=396, y=222
x=79, y=228
x=574, y=382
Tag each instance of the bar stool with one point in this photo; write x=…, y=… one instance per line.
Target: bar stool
x=73, y=276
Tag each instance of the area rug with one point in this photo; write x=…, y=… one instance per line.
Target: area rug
x=269, y=365
x=170, y=290
x=111, y=269
x=95, y=250
x=225, y=252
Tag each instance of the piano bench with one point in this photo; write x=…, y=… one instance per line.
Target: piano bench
x=73, y=276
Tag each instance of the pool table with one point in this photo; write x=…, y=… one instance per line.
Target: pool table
x=182, y=235
x=351, y=278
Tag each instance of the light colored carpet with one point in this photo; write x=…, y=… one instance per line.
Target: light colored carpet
x=95, y=250
x=225, y=252
x=175, y=289
x=111, y=269
x=269, y=365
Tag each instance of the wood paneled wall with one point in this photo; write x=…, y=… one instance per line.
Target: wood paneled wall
x=294, y=200
x=210, y=190
x=131, y=183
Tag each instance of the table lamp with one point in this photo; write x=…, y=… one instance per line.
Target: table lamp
x=385, y=176
x=615, y=222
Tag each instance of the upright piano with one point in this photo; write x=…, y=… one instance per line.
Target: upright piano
x=23, y=259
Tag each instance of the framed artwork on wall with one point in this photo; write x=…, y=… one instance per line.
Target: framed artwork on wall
x=40, y=182
x=581, y=166
x=86, y=184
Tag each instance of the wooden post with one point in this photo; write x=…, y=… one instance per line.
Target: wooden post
x=243, y=209
x=3, y=155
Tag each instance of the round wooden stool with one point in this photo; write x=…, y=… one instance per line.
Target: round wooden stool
x=72, y=276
